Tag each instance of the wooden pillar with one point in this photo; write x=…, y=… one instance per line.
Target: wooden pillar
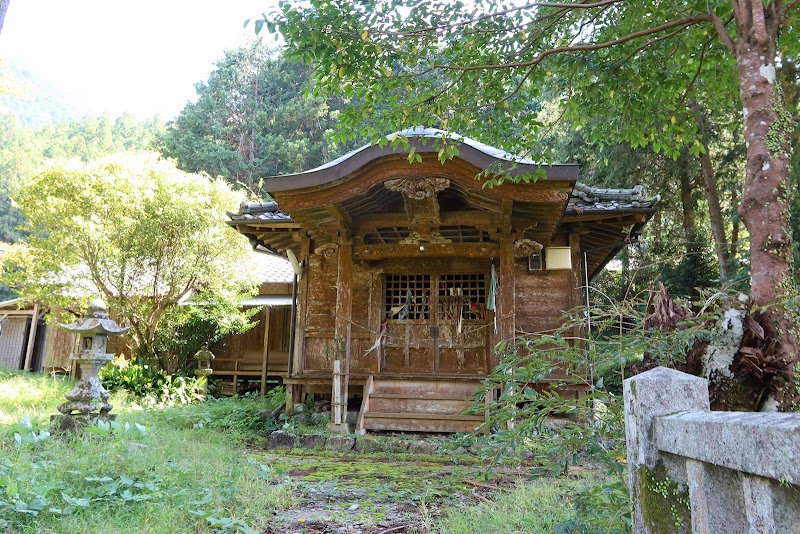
x=31, y=338
x=265, y=353
x=505, y=307
x=577, y=282
x=343, y=328
x=298, y=358
x=376, y=315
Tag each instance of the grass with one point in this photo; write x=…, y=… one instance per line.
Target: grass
x=35, y=396
x=529, y=507
x=193, y=469
x=160, y=470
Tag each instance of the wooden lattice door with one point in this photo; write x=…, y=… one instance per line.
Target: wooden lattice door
x=436, y=323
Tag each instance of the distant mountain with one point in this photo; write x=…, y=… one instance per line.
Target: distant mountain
x=32, y=101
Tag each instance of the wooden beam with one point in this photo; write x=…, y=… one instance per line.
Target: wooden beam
x=423, y=250
x=31, y=338
x=265, y=352
x=610, y=217
x=341, y=216
x=298, y=355
x=371, y=222
x=376, y=314
x=15, y=313
x=392, y=168
x=576, y=280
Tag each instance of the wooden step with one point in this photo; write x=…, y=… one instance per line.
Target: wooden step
x=419, y=405
x=424, y=388
x=415, y=405
x=421, y=422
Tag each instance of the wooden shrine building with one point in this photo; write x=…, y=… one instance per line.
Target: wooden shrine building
x=411, y=274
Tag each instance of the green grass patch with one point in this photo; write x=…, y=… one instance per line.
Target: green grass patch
x=536, y=506
x=33, y=395
x=177, y=469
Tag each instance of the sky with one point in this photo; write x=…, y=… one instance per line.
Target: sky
x=113, y=56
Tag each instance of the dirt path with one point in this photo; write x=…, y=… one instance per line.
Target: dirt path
x=371, y=494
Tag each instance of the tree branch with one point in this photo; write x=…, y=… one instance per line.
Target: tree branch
x=696, y=72
x=471, y=21
x=688, y=21
x=724, y=36
x=651, y=42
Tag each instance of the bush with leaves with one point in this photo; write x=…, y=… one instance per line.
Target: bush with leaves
x=134, y=230
x=241, y=416
x=530, y=395
x=151, y=386
x=186, y=329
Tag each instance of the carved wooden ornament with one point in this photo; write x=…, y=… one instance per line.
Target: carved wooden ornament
x=419, y=188
x=415, y=238
x=525, y=247
x=327, y=250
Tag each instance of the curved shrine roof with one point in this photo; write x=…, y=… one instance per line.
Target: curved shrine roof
x=357, y=192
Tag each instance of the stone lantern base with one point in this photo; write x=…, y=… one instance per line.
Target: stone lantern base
x=61, y=423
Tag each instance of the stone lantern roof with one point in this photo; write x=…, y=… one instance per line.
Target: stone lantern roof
x=96, y=321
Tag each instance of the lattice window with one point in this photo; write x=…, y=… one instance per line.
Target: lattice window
x=408, y=296
x=462, y=296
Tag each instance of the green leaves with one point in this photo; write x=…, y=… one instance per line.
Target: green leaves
x=133, y=229
x=258, y=115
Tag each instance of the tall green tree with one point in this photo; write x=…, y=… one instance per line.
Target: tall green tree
x=251, y=120
x=475, y=68
x=133, y=229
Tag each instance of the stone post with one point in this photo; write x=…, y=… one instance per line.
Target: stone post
x=657, y=392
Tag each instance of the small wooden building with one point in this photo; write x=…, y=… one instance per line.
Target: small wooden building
x=28, y=342
x=411, y=274
x=260, y=355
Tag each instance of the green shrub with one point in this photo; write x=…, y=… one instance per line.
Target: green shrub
x=239, y=415
x=186, y=329
x=151, y=386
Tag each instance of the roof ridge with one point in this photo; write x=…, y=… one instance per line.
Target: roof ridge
x=634, y=195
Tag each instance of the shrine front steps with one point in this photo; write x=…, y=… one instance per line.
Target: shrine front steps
x=418, y=405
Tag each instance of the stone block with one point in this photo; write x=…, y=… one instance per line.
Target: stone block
x=654, y=393
x=340, y=443
x=352, y=418
x=313, y=441
x=282, y=440
x=423, y=447
x=365, y=444
x=659, y=391
x=396, y=445
x=476, y=448
x=320, y=418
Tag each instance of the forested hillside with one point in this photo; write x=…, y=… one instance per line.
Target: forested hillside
x=32, y=101
x=25, y=149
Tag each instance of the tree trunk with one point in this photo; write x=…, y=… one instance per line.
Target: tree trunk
x=712, y=196
x=3, y=10
x=687, y=209
x=735, y=229
x=764, y=208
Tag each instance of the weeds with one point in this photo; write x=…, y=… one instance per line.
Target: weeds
x=155, y=471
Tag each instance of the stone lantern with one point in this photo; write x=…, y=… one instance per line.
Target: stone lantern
x=87, y=402
x=203, y=357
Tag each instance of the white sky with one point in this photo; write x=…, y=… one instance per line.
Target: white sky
x=113, y=56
